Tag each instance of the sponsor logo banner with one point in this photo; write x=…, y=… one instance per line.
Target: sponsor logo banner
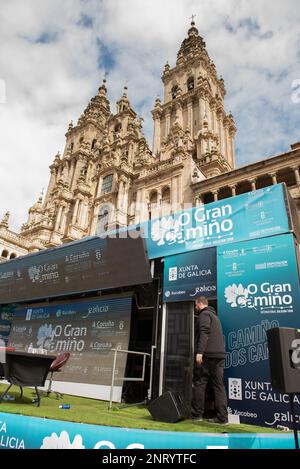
x=258, y=289
x=20, y=432
x=252, y=215
x=189, y=275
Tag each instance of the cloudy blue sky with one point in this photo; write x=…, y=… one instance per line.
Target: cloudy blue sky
x=54, y=53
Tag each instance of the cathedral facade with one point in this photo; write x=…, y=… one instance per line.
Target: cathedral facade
x=108, y=177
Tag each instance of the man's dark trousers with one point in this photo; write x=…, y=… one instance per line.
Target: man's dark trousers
x=212, y=369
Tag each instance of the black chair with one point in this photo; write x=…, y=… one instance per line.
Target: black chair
x=26, y=369
x=56, y=367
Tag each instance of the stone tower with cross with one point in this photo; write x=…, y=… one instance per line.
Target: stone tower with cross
x=108, y=177
x=194, y=100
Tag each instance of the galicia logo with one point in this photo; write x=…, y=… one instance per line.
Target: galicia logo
x=173, y=274
x=267, y=296
x=235, y=389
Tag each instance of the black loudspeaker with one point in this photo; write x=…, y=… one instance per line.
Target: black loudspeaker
x=284, y=358
x=169, y=407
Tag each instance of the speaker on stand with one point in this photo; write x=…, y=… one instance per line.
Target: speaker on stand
x=284, y=359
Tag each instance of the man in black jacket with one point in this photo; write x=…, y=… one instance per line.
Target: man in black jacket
x=209, y=362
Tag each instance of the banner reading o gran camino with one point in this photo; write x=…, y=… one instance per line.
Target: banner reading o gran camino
x=258, y=289
x=87, y=329
x=257, y=214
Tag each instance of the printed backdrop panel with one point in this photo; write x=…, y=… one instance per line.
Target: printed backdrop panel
x=258, y=289
x=86, y=329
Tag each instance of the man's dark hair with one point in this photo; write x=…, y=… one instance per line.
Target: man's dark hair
x=203, y=300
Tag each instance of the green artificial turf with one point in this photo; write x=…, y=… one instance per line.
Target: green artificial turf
x=96, y=412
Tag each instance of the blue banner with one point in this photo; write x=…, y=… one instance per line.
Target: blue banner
x=75, y=310
x=247, y=216
x=258, y=289
x=21, y=432
x=189, y=275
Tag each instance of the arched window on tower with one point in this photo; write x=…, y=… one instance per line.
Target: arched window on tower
x=94, y=143
x=118, y=127
x=190, y=83
x=174, y=91
x=107, y=184
x=13, y=255
x=4, y=253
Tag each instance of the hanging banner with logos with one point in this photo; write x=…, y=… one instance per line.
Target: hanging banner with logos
x=258, y=214
x=189, y=275
x=248, y=216
x=258, y=289
x=88, y=330
x=87, y=265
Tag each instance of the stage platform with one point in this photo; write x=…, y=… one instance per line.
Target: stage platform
x=89, y=424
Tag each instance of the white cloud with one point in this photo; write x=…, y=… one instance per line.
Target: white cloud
x=255, y=46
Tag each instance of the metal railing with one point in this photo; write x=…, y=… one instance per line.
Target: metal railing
x=113, y=378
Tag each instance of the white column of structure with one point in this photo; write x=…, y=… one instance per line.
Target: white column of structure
x=62, y=220
x=213, y=119
x=232, y=149
x=144, y=211
x=94, y=221
x=227, y=145
x=168, y=123
x=75, y=213
x=138, y=206
x=120, y=196
x=179, y=192
x=125, y=200
x=73, y=167
x=86, y=215
x=297, y=176
x=201, y=111
x=233, y=190
x=274, y=178
x=172, y=195
x=80, y=214
x=58, y=218
x=156, y=135
x=190, y=116
x=221, y=134
x=207, y=112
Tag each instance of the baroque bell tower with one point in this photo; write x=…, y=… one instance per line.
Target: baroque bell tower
x=194, y=100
